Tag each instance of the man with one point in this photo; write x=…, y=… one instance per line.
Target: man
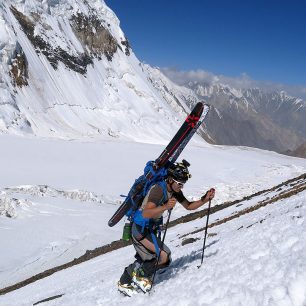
x=148, y=218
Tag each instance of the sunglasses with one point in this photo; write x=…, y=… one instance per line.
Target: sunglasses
x=180, y=184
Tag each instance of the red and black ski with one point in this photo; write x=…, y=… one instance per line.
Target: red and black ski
x=171, y=152
x=188, y=125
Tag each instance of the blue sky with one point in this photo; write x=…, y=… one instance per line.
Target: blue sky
x=266, y=40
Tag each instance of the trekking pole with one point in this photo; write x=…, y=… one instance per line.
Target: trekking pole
x=160, y=249
x=205, y=233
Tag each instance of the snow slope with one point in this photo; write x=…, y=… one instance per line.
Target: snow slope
x=60, y=194
x=73, y=88
x=257, y=259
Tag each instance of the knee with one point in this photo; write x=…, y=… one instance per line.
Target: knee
x=166, y=264
x=165, y=258
x=169, y=260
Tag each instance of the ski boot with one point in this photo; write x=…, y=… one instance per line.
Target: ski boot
x=142, y=282
x=127, y=289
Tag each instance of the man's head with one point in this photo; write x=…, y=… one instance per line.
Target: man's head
x=178, y=175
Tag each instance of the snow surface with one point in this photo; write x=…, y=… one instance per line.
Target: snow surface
x=60, y=195
x=262, y=263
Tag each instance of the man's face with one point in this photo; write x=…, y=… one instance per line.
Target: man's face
x=176, y=185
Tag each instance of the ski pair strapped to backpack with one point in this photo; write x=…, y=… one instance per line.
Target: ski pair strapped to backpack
x=156, y=171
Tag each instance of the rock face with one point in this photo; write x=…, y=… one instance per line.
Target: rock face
x=77, y=63
x=19, y=67
x=93, y=36
x=68, y=71
x=298, y=152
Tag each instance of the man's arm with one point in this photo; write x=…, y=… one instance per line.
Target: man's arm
x=153, y=211
x=196, y=204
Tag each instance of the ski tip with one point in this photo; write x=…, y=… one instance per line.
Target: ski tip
x=204, y=104
x=205, y=107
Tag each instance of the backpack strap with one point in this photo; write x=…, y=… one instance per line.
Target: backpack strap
x=147, y=222
x=163, y=185
x=140, y=220
x=154, y=239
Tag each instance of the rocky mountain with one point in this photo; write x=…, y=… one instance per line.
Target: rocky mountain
x=68, y=71
x=300, y=151
x=254, y=117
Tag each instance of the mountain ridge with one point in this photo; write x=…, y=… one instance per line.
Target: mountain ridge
x=68, y=71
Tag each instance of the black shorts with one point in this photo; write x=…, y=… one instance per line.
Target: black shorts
x=138, y=235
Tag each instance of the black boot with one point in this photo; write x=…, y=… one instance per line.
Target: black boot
x=125, y=285
x=148, y=267
x=126, y=277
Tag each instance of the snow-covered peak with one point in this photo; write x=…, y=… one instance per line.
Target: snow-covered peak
x=254, y=97
x=208, y=89
x=68, y=72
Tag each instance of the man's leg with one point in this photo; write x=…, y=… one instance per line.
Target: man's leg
x=125, y=284
x=146, y=251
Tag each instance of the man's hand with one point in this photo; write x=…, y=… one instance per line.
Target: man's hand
x=209, y=195
x=170, y=203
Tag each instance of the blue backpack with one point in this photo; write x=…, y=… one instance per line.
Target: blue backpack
x=139, y=191
x=141, y=188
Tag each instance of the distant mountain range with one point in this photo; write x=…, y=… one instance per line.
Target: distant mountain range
x=68, y=71
x=298, y=152
x=245, y=117
x=254, y=117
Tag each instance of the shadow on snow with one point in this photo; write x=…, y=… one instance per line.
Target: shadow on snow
x=182, y=263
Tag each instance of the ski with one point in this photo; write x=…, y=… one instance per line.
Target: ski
x=186, y=128
x=170, y=153
x=181, y=147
